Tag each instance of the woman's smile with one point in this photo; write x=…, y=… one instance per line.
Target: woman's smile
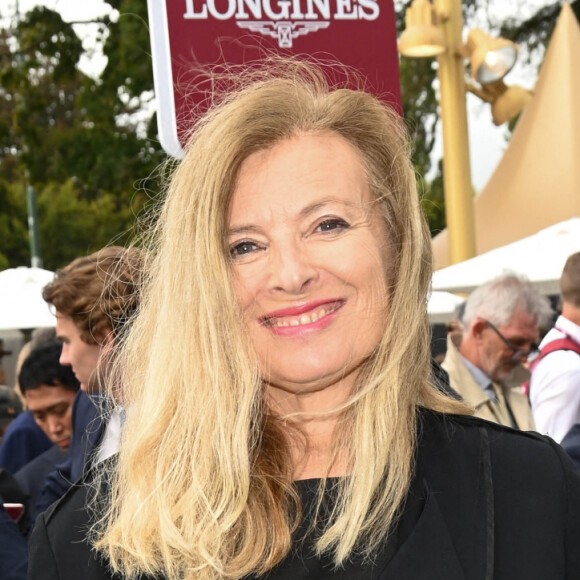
x=307, y=317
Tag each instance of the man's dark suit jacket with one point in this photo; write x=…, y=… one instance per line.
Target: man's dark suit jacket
x=33, y=475
x=87, y=430
x=493, y=503
x=22, y=442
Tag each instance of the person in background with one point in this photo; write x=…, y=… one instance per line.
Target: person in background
x=282, y=421
x=94, y=298
x=555, y=383
x=500, y=331
x=49, y=390
x=23, y=439
x=10, y=408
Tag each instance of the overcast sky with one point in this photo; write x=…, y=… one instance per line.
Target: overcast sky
x=487, y=142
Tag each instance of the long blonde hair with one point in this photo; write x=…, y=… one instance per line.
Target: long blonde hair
x=203, y=486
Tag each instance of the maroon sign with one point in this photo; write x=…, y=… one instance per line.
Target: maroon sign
x=187, y=33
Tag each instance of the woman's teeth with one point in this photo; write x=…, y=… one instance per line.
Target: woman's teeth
x=303, y=319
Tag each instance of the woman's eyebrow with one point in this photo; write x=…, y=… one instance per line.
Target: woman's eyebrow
x=313, y=207
x=243, y=229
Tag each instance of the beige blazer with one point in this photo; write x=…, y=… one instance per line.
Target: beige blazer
x=464, y=383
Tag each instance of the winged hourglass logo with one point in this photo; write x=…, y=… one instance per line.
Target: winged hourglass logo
x=284, y=31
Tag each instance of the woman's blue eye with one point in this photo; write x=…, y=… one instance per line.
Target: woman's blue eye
x=330, y=225
x=242, y=248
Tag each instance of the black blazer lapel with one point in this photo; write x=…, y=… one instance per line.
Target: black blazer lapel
x=428, y=552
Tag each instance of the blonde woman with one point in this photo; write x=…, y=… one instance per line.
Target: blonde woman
x=281, y=417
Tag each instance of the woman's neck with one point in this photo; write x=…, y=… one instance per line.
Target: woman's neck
x=316, y=454
x=315, y=416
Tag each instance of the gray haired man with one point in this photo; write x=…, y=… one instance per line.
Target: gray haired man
x=500, y=330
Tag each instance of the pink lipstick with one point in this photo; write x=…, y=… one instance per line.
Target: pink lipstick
x=302, y=318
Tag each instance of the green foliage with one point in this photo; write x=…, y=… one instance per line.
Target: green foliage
x=536, y=32
x=74, y=138
x=433, y=202
x=67, y=211
x=420, y=108
x=13, y=225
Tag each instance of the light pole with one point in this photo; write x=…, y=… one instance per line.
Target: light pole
x=436, y=30
x=456, y=160
x=33, y=231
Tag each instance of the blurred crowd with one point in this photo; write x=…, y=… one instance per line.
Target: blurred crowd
x=56, y=417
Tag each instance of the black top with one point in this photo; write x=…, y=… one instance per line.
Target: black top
x=302, y=561
x=486, y=502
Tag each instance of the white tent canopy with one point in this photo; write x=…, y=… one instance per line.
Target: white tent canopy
x=441, y=306
x=21, y=303
x=540, y=257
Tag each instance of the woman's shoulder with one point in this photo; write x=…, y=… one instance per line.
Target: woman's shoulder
x=461, y=444
x=515, y=493
x=467, y=428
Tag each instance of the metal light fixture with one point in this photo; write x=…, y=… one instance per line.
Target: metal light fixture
x=506, y=101
x=422, y=37
x=491, y=58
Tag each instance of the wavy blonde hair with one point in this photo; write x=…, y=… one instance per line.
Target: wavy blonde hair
x=203, y=486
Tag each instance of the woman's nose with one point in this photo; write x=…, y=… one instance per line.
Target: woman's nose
x=293, y=270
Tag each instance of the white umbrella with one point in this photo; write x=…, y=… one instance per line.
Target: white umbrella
x=441, y=307
x=21, y=303
x=540, y=257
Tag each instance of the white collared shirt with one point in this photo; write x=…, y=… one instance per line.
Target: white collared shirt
x=480, y=378
x=112, y=436
x=555, y=385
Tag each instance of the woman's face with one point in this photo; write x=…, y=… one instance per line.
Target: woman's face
x=310, y=260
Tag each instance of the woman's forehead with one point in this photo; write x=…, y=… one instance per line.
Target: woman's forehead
x=299, y=174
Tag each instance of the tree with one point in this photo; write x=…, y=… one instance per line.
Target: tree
x=535, y=33
x=14, y=248
x=73, y=137
x=66, y=210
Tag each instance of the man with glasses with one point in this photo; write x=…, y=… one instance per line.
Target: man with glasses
x=555, y=384
x=500, y=330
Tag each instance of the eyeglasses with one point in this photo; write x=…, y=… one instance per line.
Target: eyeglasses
x=519, y=353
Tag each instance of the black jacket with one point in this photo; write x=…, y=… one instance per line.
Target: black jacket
x=88, y=428
x=486, y=502
x=33, y=475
